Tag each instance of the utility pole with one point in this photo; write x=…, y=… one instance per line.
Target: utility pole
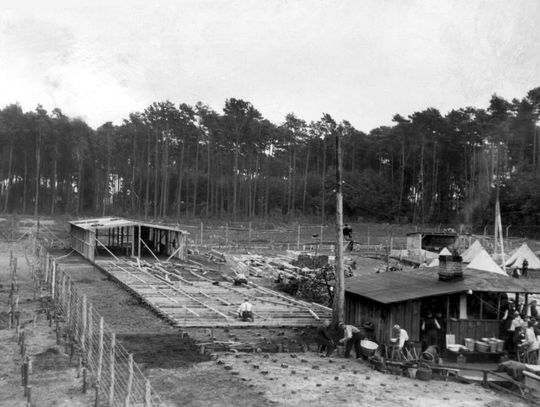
x=339, y=290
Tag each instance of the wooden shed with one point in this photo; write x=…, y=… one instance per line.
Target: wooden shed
x=471, y=307
x=118, y=236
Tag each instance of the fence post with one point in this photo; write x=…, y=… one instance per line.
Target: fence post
x=90, y=333
x=249, y=235
x=147, y=394
x=298, y=239
x=83, y=330
x=322, y=234
x=46, y=269
x=63, y=293
x=111, y=369
x=68, y=307
x=226, y=234
x=100, y=352
x=53, y=285
x=130, y=380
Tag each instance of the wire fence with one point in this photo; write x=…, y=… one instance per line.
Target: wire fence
x=117, y=378
x=231, y=236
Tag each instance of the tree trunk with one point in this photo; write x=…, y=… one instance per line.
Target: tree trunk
x=156, y=185
x=25, y=180
x=196, y=176
x=306, y=178
x=55, y=167
x=180, y=167
x=133, y=164
x=38, y=164
x=147, y=194
x=208, y=177
x=8, y=189
x=107, y=175
x=402, y=177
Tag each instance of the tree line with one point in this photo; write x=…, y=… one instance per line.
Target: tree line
x=182, y=161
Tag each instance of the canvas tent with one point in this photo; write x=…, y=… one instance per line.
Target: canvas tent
x=445, y=252
x=484, y=262
x=473, y=251
x=524, y=252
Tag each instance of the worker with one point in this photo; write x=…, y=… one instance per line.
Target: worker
x=240, y=279
x=431, y=328
x=524, y=268
x=398, y=337
x=324, y=339
x=245, y=311
x=531, y=343
x=347, y=235
x=351, y=337
x=512, y=339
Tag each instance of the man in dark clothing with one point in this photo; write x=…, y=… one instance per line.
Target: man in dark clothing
x=431, y=329
x=524, y=268
x=347, y=235
x=324, y=340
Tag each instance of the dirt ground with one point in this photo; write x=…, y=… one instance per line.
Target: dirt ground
x=183, y=377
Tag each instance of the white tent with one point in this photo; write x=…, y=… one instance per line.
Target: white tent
x=484, y=262
x=524, y=252
x=445, y=252
x=473, y=251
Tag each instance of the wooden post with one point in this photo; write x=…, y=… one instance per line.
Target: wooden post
x=53, y=279
x=68, y=307
x=28, y=396
x=100, y=351
x=83, y=330
x=249, y=235
x=90, y=333
x=339, y=291
x=111, y=369
x=147, y=394
x=63, y=293
x=47, y=268
x=226, y=234
x=298, y=239
x=130, y=381
x=84, y=380
x=139, y=242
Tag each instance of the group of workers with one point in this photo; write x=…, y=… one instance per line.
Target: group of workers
x=352, y=337
x=523, y=332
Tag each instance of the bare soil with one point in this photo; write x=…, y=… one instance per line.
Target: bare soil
x=184, y=377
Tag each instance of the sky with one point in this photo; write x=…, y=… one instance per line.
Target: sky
x=360, y=60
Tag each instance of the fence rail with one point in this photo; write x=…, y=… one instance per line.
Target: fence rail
x=118, y=379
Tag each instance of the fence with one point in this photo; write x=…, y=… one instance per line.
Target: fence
x=118, y=380
x=300, y=237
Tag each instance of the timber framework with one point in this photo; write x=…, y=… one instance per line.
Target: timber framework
x=150, y=261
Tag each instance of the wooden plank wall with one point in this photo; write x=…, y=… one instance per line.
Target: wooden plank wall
x=359, y=310
x=473, y=328
x=82, y=241
x=405, y=314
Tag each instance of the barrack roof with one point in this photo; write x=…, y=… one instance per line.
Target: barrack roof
x=393, y=287
x=106, y=223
